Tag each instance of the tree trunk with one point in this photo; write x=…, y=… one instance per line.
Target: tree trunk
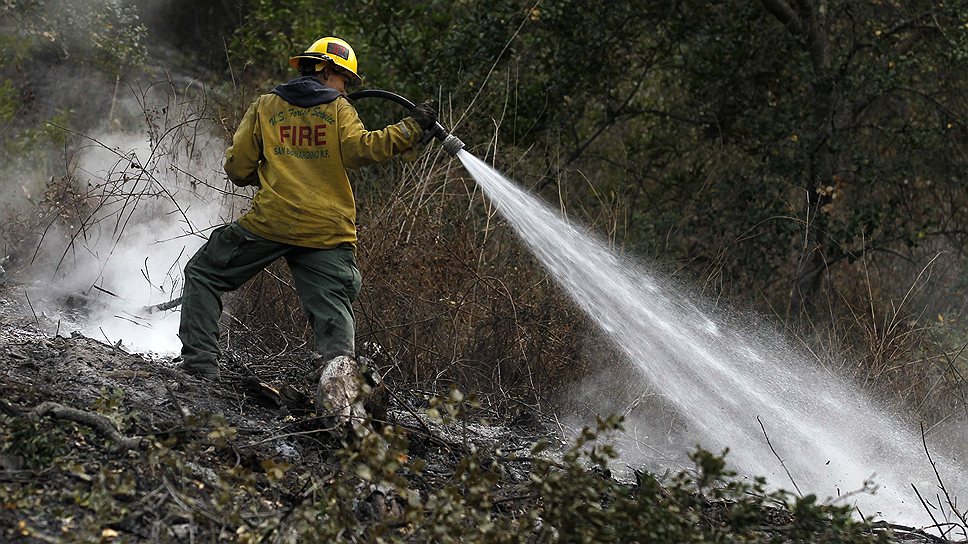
x=807, y=21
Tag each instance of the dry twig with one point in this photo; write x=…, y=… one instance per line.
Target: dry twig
x=775, y=454
x=951, y=502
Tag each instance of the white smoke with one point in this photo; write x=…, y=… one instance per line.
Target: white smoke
x=149, y=195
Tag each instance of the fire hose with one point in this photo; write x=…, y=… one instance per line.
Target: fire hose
x=448, y=141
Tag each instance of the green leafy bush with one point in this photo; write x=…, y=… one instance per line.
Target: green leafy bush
x=371, y=489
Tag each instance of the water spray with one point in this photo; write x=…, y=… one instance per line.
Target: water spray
x=728, y=385
x=450, y=143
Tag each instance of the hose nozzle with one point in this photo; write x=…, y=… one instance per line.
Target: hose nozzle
x=448, y=141
x=452, y=144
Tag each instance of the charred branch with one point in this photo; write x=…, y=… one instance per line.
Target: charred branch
x=97, y=422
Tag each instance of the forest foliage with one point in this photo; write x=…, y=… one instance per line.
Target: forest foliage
x=762, y=146
x=804, y=158
x=801, y=158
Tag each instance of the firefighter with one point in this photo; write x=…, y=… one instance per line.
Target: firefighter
x=295, y=144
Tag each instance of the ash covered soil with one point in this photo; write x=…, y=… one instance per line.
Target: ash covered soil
x=100, y=445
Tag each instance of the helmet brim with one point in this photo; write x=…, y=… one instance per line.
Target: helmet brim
x=319, y=58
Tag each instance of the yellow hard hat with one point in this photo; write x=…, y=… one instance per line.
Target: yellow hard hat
x=333, y=50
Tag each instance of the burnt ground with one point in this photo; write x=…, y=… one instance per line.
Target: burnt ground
x=133, y=450
x=64, y=479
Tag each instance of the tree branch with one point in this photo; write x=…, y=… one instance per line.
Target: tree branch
x=97, y=422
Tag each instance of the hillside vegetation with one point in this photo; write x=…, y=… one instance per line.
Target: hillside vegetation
x=803, y=161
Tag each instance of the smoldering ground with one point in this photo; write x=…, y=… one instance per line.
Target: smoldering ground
x=145, y=201
x=112, y=168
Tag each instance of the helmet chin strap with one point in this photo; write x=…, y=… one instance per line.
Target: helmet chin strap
x=331, y=77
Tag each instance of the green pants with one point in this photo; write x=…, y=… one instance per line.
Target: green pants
x=327, y=282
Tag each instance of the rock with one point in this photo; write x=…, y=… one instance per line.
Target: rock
x=181, y=530
x=347, y=393
x=297, y=402
x=10, y=462
x=288, y=452
x=340, y=392
x=382, y=505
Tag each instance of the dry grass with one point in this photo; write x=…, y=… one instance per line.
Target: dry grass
x=898, y=338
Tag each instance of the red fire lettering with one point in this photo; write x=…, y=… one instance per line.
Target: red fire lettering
x=285, y=131
x=305, y=135
x=319, y=135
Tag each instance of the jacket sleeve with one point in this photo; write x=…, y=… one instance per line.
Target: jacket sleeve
x=243, y=156
x=359, y=147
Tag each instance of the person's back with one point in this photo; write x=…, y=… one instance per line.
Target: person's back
x=295, y=144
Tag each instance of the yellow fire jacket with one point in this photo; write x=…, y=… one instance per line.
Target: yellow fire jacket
x=296, y=150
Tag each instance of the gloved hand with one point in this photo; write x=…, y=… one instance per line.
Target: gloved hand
x=425, y=114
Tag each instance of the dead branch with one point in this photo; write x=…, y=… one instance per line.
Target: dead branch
x=26, y=296
x=189, y=505
x=951, y=503
x=7, y=409
x=161, y=307
x=304, y=494
x=775, y=454
x=97, y=422
x=406, y=406
x=908, y=530
x=924, y=503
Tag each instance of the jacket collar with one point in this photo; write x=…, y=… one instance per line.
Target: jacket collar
x=305, y=92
